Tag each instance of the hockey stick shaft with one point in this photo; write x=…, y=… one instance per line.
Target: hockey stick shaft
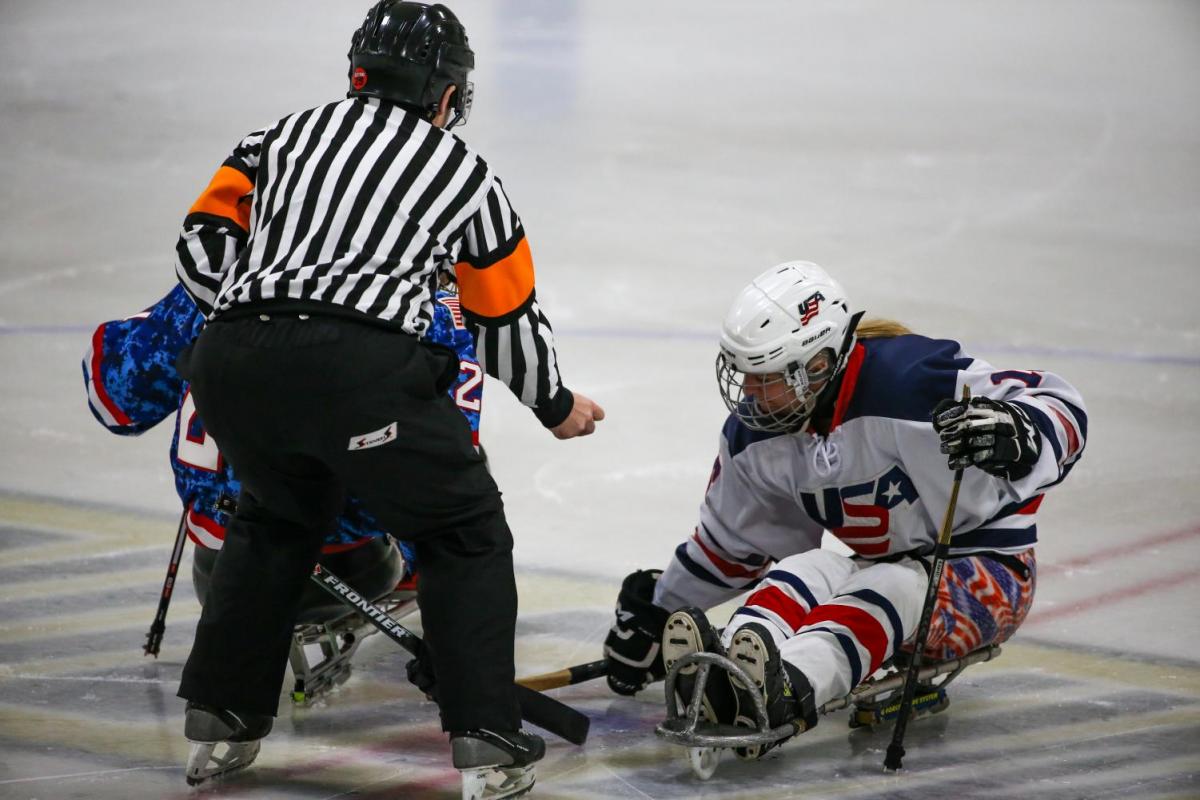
x=568, y=676
x=895, y=751
x=538, y=709
x=159, y=625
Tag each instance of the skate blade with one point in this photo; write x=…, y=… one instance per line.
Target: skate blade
x=704, y=761
x=751, y=752
x=494, y=783
x=925, y=702
x=204, y=764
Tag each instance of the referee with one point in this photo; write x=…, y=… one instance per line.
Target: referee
x=315, y=252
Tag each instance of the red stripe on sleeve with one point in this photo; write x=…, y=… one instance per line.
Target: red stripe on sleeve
x=1032, y=506
x=727, y=568
x=98, y=381
x=1072, y=437
x=866, y=629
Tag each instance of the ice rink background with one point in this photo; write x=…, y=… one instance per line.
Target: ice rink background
x=1024, y=177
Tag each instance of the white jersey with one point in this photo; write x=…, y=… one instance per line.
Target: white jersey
x=878, y=481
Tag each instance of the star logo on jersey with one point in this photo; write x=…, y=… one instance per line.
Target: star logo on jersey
x=892, y=492
x=861, y=514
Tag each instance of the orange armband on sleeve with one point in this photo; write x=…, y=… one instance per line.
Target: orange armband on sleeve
x=226, y=196
x=499, y=288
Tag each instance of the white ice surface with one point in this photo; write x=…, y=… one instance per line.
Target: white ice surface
x=1023, y=176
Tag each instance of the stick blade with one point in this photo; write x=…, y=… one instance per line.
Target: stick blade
x=551, y=715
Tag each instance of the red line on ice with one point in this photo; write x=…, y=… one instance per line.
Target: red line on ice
x=1119, y=550
x=1119, y=594
x=1114, y=596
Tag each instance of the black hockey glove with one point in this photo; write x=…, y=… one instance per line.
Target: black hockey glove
x=420, y=673
x=632, y=648
x=995, y=436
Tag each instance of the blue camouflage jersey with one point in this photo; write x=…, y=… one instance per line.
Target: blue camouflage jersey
x=133, y=385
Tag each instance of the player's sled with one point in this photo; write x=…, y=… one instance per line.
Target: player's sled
x=321, y=650
x=873, y=702
x=327, y=633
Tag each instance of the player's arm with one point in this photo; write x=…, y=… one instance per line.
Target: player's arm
x=747, y=520
x=217, y=225
x=513, y=337
x=742, y=510
x=1020, y=434
x=129, y=369
x=1022, y=426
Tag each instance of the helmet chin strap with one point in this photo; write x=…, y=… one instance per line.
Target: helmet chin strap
x=826, y=398
x=848, y=340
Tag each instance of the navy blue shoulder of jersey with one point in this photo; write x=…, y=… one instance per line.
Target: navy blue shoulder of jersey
x=904, y=377
x=740, y=437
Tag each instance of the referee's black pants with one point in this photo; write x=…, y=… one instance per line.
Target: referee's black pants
x=306, y=411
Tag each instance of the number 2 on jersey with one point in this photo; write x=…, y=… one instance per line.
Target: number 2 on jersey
x=465, y=396
x=196, y=448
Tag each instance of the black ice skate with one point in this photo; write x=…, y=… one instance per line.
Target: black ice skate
x=496, y=764
x=208, y=728
x=778, y=695
x=688, y=631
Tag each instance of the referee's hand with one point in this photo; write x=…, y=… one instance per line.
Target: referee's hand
x=581, y=421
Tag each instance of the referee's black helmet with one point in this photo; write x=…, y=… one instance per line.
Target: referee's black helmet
x=410, y=53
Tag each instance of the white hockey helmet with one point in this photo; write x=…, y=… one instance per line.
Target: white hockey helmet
x=790, y=331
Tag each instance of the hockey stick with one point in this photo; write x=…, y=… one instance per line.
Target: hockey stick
x=568, y=676
x=155, y=634
x=895, y=751
x=536, y=708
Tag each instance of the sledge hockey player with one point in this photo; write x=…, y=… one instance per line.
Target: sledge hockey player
x=314, y=254
x=848, y=427
x=133, y=385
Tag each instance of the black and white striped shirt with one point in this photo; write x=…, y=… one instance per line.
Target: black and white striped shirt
x=359, y=204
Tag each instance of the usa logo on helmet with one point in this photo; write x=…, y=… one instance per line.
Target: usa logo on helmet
x=810, y=307
x=359, y=79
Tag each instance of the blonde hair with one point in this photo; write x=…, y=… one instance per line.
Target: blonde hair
x=881, y=329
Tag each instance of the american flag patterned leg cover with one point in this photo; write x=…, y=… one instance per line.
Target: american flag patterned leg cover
x=980, y=602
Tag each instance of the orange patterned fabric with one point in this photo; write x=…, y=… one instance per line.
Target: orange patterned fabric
x=228, y=196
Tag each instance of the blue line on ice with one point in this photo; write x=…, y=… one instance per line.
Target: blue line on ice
x=708, y=336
